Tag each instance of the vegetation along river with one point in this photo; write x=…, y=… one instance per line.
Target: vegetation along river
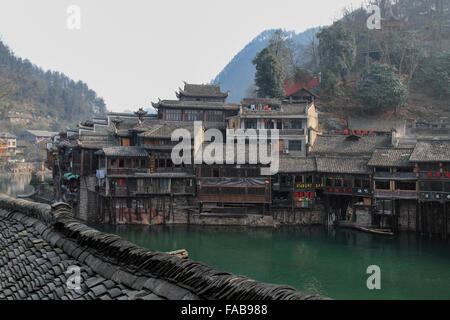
x=330, y=262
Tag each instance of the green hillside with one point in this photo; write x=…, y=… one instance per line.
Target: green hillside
x=36, y=99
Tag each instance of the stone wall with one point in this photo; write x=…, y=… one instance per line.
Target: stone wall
x=300, y=216
x=363, y=217
x=87, y=199
x=251, y=220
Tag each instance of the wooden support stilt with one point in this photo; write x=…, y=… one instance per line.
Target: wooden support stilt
x=445, y=220
x=408, y=215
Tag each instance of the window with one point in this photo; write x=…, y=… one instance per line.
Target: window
x=405, y=185
x=214, y=115
x=210, y=190
x=366, y=184
x=233, y=191
x=430, y=185
x=173, y=114
x=216, y=172
x=193, y=115
x=205, y=172
x=256, y=191
x=250, y=124
x=296, y=124
x=429, y=167
x=382, y=185
x=447, y=186
x=295, y=145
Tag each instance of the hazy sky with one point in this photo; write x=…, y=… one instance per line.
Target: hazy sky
x=132, y=52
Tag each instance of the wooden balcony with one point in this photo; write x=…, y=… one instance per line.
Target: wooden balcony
x=126, y=171
x=225, y=195
x=396, y=194
x=434, y=196
x=348, y=191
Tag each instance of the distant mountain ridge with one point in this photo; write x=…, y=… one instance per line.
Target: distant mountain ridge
x=48, y=99
x=239, y=73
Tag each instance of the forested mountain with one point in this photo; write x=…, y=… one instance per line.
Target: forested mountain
x=238, y=75
x=42, y=99
x=399, y=69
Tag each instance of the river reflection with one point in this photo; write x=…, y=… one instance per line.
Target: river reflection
x=15, y=184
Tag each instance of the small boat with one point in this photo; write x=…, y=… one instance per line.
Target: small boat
x=387, y=232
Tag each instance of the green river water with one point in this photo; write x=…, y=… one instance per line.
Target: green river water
x=311, y=259
x=330, y=262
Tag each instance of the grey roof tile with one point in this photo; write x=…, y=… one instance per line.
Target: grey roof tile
x=431, y=151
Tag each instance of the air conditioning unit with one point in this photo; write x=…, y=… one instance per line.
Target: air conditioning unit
x=286, y=151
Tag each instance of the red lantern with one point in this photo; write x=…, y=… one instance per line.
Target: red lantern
x=358, y=132
x=330, y=189
x=447, y=174
x=346, y=131
x=350, y=190
x=296, y=194
x=366, y=132
x=301, y=194
x=312, y=195
x=120, y=181
x=438, y=174
x=344, y=189
x=336, y=190
x=429, y=174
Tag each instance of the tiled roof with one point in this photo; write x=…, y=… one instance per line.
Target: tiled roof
x=213, y=105
x=385, y=157
x=297, y=164
x=42, y=133
x=431, y=151
x=40, y=243
x=7, y=135
x=166, y=129
x=377, y=125
x=125, y=152
x=285, y=110
x=246, y=102
x=342, y=165
x=97, y=141
x=202, y=90
x=348, y=145
x=151, y=124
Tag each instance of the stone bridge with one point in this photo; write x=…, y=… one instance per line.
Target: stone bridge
x=43, y=248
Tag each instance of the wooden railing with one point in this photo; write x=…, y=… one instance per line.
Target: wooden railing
x=126, y=171
x=397, y=194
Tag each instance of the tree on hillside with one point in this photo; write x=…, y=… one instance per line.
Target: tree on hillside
x=381, y=86
x=337, y=52
x=435, y=75
x=270, y=75
x=283, y=48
